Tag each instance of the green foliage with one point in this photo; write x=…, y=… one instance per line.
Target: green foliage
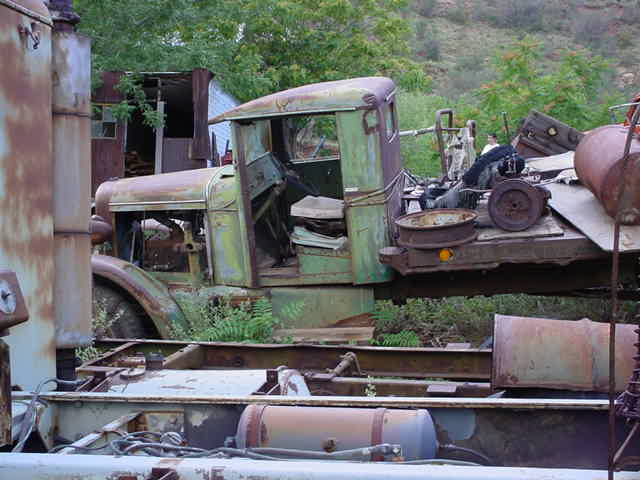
x=568, y=93
x=254, y=47
x=416, y=110
x=101, y=320
x=222, y=322
x=437, y=322
x=370, y=389
x=130, y=86
x=404, y=338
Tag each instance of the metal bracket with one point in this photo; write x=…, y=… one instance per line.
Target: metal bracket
x=163, y=474
x=30, y=32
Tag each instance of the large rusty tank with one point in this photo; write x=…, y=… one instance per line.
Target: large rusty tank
x=598, y=163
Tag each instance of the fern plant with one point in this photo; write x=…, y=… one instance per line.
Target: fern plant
x=404, y=338
x=251, y=322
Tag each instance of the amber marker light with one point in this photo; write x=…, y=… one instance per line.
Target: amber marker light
x=445, y=255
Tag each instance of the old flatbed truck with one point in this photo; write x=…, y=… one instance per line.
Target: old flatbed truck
x=246, y=411
x=229, y=231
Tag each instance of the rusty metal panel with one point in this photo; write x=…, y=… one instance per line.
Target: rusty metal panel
x=542, y=135
x=72, y=177
x=71, y=55
x=107, y=93
x=227, y=252
x=35, y=9
x=582, y=209
x=321, y=306
x=107, y=155
x=376, y=361
x=5, y=395
x=200, y=78
x=26, y=203
x=107, y=158
x=356, y=93
x=167, y=191
x=177, y=155
x=72, y=290
x=559, y=354
x=365, y=204
x=261, y=142
x=71, y=58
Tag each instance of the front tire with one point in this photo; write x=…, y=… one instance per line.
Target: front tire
x=117, y=315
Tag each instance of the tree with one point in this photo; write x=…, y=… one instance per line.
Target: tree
x=253, y=46
x=571, y=92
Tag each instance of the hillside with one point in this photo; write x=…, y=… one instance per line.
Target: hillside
x=457, y=41
x=457, y=37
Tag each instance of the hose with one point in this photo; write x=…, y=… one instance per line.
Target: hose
x=455, y=448
x=436, y=461
x=172, y=444
x=30, y=418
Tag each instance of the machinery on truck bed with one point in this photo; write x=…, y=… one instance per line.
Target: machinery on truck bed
x=312, y=211
x=530, y=408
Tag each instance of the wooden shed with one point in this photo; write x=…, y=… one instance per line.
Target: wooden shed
x=128, y=149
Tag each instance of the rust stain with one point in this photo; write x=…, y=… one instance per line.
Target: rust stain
x=26, y=224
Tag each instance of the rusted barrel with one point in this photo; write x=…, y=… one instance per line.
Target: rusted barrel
x=559, y=354
x=598, y=164
x=332, y=429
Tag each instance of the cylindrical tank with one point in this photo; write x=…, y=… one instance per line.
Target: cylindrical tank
x=26, y=207
x=598, y=164
x=71, y=179
x=559, y=354
x=333, y=429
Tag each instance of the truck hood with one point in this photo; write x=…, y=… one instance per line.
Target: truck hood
x=186, y=190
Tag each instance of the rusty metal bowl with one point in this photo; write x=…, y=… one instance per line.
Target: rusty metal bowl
x=429, y=229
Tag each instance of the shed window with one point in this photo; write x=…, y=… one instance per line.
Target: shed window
x=103, y=123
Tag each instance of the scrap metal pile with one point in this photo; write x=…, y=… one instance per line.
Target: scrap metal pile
x=530, y=407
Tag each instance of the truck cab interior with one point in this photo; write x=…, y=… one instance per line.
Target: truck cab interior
x=300, y=203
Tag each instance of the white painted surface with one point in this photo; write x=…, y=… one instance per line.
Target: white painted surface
x=220, y=102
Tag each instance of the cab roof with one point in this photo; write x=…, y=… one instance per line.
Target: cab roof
x=352, y=94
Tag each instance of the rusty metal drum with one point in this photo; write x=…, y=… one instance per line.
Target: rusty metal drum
x=559, y=354
x=333, y=429
x=598, y=164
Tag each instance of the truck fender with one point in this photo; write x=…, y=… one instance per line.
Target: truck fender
x=152, y=295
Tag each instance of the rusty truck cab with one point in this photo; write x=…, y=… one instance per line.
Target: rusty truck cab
x=314, y=186
x=313, y=162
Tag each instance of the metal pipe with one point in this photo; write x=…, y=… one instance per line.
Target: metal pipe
x=438, y=128
x=615, y=274
x=71, y=55
x=419, y=131
x=28, y=466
